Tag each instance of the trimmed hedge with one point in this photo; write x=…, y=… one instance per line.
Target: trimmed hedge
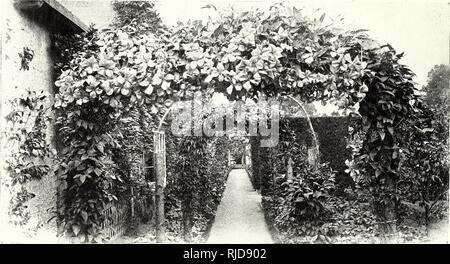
x=332, y=135
x=254, y=152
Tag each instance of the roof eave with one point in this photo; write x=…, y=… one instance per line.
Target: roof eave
x=69, y=15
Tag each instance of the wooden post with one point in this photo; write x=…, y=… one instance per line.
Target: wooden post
x=312, y=157
x=313, y=133
x=132, y=202
x=274, y=180
x=290, y=170
x=160, y=177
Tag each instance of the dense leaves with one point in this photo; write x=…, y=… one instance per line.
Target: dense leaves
x=239, y=54
x=136, y=17
x=424, y=174
x=235, y=56
x=436, y=90
x=197, y=172
x=296, y=205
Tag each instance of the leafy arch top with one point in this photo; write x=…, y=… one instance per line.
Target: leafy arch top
x=278, y=51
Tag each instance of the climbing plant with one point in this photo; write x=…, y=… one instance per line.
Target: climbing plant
x=124, y=141
x=25, y=58
x=28, y=134
x=390, y=100
x=239, y=54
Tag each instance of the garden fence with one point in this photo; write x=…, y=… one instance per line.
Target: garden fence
x=117, y=215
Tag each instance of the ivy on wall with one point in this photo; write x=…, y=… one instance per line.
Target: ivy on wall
x=28, y=122
x=26, y=56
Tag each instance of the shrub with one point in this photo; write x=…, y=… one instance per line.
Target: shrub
x=424, y=177
x=303, y=197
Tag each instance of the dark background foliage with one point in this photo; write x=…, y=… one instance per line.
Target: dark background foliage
x=437, y=89
x=332, y=133
x=136, y=17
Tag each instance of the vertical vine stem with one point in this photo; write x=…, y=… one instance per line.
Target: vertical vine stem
x=314, y=135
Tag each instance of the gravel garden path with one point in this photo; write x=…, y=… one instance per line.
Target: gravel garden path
x=239, y=217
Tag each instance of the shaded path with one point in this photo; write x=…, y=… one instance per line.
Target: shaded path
x=239, y=217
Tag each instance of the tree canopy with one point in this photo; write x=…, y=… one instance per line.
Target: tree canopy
x=436, y=90
x=136, y=17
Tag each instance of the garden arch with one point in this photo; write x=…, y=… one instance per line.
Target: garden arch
x=242, y=55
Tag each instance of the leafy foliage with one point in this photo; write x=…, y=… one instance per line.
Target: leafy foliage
x=197, y=172
x=436, y=90
x=425, y=170
x=25, y=58
x=246, y=54
x=303, y=197
x=29, y=121
x=102, y=147
x=296, y=206
x=390, y=101
x=136, y=17
x=68, y=45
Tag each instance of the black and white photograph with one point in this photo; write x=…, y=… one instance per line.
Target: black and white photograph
x=211, y=122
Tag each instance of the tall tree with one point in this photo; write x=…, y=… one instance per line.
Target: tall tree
x=437, y=88
x=136, y=17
